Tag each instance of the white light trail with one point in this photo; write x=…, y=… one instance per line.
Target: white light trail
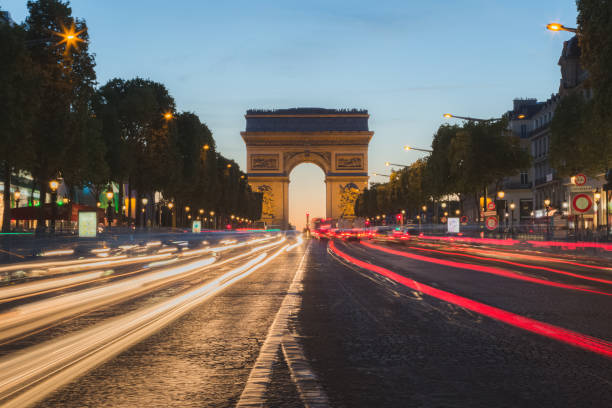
x=30, y=375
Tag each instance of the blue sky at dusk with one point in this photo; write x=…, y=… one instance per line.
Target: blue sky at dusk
x=407, y=62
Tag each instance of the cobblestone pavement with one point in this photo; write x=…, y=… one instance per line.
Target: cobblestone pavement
x=376, y=343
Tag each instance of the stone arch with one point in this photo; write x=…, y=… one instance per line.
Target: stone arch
x=295, y=158
x=279, y=140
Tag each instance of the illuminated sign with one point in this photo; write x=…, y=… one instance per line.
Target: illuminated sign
x=196, y=226
x=453, y=225
x=88, y=224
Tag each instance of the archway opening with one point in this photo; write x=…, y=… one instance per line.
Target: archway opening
x=306, y=194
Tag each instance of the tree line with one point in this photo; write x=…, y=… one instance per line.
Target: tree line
x=465, y=159
x=56, y=122
x=469, y=157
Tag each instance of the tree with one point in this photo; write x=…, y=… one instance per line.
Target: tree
x=140, y=138
x=65, y=87
x=18, y=105
x=595, y=39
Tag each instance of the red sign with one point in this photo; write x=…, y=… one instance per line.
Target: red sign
x=491, y=206
x=582, y=203
x=580, y=179
x=464, y=219
x=491, y=223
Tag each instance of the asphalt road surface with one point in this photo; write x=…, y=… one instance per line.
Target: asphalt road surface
x=272, y=321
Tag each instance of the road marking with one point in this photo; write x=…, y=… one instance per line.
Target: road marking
x=560, y=334
x=254, y=392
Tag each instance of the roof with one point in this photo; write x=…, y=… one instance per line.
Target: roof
x=307, y=120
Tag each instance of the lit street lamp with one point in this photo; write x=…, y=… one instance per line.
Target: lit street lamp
x=395, y=164
x=547, y=206
x=17, y=196
x=560, y=27
x=53, y=185
x=417, y=149
x=512, y=207
x=144, y=202
x=109, y=207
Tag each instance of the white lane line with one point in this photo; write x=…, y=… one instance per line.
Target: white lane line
x=254, y=392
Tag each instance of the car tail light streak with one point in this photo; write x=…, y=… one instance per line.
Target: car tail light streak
x=560, y=334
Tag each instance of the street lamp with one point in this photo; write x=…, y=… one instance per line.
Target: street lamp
x=560, y=27
x=109, y=207
x=213, y=219
x=168, y=116
x=501, y=194
x=417, y=149
x=206, y=147
x=16, y=196
x=449, y=116
x=597, y=197
x=144, y=201
x=512, y=207
x=469, y=118
x=53, y=185
x=395, y=164
x=547, y=206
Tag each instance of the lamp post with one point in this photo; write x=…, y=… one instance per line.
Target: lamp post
x=187, y=215
x=597, y=197
x=213, y=220
x=450, y=115
x=395, y=164
x=561, y=27
x=53, y=185
x=172, y=218
x=144, y=202
x=407, y=148
x=512, y=207
x=109, y=207
x=547, y=206
x=17, y=196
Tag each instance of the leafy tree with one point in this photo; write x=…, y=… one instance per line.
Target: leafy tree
x=595, y=39
x=17, y=107
x=66, y=83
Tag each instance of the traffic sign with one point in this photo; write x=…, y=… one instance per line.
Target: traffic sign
x=491, y=223
x=582, y=203
x=580, y=179
x=491, y=206
x=490, y=213
x=464, y=219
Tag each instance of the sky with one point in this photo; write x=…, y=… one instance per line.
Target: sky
x=407, y=62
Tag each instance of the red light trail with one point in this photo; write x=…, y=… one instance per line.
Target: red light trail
x=485, y=269
x=576, y=339
x=544, y=268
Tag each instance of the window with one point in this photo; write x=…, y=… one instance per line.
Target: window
x=524, y=178
x=523, y=131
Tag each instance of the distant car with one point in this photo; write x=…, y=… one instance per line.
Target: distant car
x=354, y=234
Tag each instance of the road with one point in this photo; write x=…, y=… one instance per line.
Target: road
x=272, y=320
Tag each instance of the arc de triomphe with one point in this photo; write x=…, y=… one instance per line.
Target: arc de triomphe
x=335, y=140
